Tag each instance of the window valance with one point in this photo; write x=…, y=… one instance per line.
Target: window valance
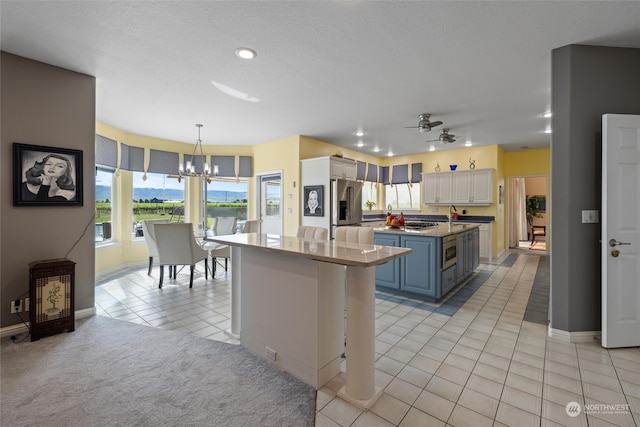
x=116, y=155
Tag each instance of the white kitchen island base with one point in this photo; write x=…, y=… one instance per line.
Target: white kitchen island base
x=292, y=300
x=295, y=307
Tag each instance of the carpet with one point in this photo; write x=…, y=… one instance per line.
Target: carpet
x=114, y=373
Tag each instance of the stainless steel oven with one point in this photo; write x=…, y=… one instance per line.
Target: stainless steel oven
x=449, y=251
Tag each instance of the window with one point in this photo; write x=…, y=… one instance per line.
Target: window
x=104, y=201
x=370, y=193
x=403, y=196
x=226, y=197
x=160, y=196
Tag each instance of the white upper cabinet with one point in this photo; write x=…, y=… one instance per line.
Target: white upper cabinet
x=436, y=188
x=343, y=168
x=473, y=187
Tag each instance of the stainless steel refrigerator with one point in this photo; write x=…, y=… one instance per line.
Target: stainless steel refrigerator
x=345, y=203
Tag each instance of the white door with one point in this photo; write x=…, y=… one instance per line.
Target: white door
x=270, y=203
x=620, y=230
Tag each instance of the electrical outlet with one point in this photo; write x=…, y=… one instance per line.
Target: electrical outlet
x=16, y=306
x=270, y=353
x=26, y=304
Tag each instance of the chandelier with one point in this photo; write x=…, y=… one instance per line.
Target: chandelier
x=190, y=170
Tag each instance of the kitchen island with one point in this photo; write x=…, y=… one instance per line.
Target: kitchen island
x=433, y=268
x=292, y=300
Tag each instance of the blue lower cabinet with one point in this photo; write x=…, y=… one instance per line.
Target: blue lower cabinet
x=449, y=279
x=417, y=270
x=388, y=275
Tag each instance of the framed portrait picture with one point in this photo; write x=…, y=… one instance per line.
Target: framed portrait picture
x=313, y=200
x=46, y=176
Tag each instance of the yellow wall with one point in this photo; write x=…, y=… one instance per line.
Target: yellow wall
x=528, y=162
x=282, y=155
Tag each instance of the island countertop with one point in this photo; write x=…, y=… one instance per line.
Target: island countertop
x=351, y=254
x=442, y=230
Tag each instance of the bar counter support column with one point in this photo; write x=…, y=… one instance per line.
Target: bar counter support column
x=360, y=388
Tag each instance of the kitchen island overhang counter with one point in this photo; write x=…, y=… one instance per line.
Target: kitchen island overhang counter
x=288, y=299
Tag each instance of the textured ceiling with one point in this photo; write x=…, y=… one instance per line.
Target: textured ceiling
x=324, y=69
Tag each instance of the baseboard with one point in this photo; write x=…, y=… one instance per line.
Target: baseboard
x=121, y=267
x=20, y=328
x=573, y=337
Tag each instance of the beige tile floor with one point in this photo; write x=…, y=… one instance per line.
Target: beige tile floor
x=482, y=366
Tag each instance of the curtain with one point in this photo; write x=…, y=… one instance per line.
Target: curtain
x=517, y=215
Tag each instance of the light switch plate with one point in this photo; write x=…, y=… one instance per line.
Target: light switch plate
x=590, y=216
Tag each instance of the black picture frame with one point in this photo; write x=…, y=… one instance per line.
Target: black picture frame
x=29, y=166
x=542, y=203
x=309, y=191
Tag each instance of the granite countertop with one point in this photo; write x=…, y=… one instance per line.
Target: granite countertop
x=351, y=254
x=442, y=230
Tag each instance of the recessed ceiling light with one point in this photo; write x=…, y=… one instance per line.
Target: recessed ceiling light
x=468, y=144
x=547, y=131
x=547, y=114
x=526, y=147
x=432, y=148
x=246, y=53
x=390, y=153
x=376, y=149
x=359, y=133
x=360, y=144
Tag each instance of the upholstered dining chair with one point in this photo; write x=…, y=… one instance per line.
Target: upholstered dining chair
x=315, y=233
x=150, y=238
x=223, y=225
x=251, y=226
x=177, y=246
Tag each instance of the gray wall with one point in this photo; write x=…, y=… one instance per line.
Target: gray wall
x=45, y=105
x=586, y=82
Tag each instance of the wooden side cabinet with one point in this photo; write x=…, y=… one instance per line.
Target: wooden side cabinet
x=51, y=293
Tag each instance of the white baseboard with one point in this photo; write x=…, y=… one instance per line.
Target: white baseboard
x=7, y=331
x=574, y=337
x=121, y=267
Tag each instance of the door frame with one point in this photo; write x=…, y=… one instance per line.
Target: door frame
x=258, y=195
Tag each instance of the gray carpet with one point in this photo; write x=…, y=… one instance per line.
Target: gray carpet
x=114, y=373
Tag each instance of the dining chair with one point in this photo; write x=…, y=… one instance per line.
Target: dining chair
x=149, y=234
x=310, y=232
x=222, y=226
x=251, y=226
x=177, y=246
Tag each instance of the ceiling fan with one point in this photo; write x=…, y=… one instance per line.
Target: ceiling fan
x=445, y=137
x=424, y=124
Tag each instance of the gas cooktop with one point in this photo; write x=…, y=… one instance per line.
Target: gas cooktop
x=421, y=224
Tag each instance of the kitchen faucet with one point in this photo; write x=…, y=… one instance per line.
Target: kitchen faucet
x=451, y=216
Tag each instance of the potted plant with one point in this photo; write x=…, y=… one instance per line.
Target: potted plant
x=369, y=204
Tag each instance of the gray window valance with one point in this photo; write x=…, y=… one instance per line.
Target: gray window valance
x=361, y=168
x=416, y=172
x=167, y=162
x=400, y=174
x=372, y=173
x=384, y=175
x=106, y=152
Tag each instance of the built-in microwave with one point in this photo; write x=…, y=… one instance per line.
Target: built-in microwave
x=449, y=251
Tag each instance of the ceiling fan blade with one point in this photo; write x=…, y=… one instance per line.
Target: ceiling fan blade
x=434, y=124
x=411, y=127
